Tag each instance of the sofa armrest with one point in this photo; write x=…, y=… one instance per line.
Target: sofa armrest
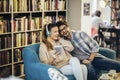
x=37, y=71
x=107, y=52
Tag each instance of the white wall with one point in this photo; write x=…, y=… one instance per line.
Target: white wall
x=85, y=20
x=74, y=14
x=106, y=12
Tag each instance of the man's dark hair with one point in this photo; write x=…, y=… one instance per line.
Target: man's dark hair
x=98, y=13
x=59, y=23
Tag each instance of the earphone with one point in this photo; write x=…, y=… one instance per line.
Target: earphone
x=47, y=31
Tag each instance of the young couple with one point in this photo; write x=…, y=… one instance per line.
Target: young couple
x=61, y=59
x=85, y=49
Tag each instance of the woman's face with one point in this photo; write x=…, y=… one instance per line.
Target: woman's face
x=54, y=34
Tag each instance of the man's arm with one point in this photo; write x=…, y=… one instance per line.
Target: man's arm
x=93, y=47
x=92, y=56
x=90, y=59
x=88, y=45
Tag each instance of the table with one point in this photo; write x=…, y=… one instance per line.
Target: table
x=105, y=76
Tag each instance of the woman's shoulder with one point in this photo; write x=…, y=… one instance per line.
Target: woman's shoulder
x=42, y=45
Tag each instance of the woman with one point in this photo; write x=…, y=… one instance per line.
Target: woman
x=55, y=51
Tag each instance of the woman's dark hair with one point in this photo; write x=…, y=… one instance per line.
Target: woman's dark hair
x=48, y=28
x=98, y=13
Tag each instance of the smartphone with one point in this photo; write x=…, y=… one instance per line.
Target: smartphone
x=58, y=49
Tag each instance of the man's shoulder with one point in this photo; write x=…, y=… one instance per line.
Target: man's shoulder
x=78, y=32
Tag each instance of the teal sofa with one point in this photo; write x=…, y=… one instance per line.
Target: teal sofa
x=35, y=70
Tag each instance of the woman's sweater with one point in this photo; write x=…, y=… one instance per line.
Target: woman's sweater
x=62, y=59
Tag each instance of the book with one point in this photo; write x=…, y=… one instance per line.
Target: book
x=5, y=71
x=17, y=55
x=58, y=49
x=5, y=57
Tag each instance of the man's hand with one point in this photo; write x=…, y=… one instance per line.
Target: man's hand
x=85, y=61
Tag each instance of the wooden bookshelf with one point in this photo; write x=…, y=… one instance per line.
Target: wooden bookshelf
x=115, y=19
x=115, y=12
x=110, y=37
x=21, y=23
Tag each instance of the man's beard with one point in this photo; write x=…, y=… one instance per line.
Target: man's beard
x=67, y=36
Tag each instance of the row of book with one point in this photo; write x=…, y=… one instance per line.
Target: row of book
x=5, y=41
x=5, y=26
x=5, y=71
x=115, y=4
x=34, y=37
x=53, y=19
x=18, y=69
x=5, y=57
x=24, y=24
x=4, y=6
x=27, y=5
x=54, y=5
x=36, y=5
x=20, y=5
x=32, y=5
x=21, y=39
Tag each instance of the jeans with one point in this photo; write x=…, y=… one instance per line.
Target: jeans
x=106, y=64
x=75, y=68
x=101, y=63
x=92, y=75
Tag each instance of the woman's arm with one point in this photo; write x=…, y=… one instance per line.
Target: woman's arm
x=66, y=45
x=46, y=57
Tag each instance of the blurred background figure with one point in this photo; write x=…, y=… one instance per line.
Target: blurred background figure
x=96, y=23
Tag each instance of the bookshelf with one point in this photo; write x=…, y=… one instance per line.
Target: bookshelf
x=115, y=13
x=21, y=24
x=110, y=37
x=115, y=19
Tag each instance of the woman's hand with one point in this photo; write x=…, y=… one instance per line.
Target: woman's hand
x=55, y=57
x=56, y=54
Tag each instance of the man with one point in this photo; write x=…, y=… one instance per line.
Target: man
x=86, y=49
x=96, y=23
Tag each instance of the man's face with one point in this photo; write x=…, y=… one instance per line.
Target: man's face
x=64, y=31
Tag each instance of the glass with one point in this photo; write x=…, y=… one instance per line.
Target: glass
x=112, y=74
x=61, y=30
x=104, y=76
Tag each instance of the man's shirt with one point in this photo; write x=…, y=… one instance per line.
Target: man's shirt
x=83, y=45
x=98, y=22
